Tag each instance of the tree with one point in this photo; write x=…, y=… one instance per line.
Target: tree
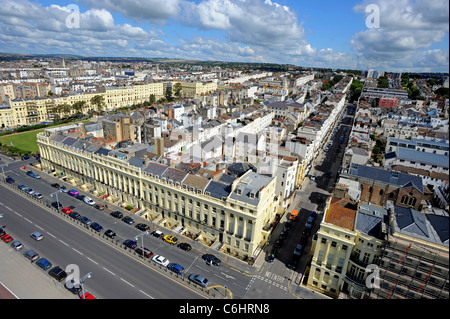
x=177, y=88
x=152, y=99
x=169, y=97
x=79, y=106
x=99, y=102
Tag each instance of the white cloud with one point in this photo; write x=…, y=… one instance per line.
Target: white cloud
x=407, y=29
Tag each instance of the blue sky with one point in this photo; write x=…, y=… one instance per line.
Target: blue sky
x=412, y=34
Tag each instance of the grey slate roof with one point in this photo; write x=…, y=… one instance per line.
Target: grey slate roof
x=411, y=220
x=248, y=188
x=385, y=176
x=175, y=175
x=218, y=190
x=69, y=141
x=423, y=157
x=155, y=169
x=136, y=162
x=441, y=226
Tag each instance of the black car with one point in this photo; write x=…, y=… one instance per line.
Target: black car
x=293, y=262
x=57, y=205
x=116, y=214
x=74, y=215
x=111, y=234
x=185, y=246
x=278, y=243
x=80, y=197
x=211, y=259
x=271, y=256
x=55, y=185
x=58, y=273
x=128, y=220
x=143, y=227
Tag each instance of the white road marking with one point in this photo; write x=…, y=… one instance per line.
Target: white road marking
x=78, y=251
x=63, y=242
x=92, y=260
x=109, y=271
x=126, y=282
x=54, y=236
x=146, y=294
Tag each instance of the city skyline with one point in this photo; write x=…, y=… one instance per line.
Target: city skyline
x=408, y=36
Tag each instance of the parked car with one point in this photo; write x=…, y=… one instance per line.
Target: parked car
x=31, y=255
x=37, y=236
x=10, y=180
x=96, y=226
x=199, y=280
x=161, y=260
x=158, y=233
x=37, y=195
x=66, y=210
x=88, y=295
x=80, y=197
x=89, y=201
x=73, y=287
x=176, y=268
x=170, y=239
x=73, y=192
x=21, y=187
x=99, y=207
x=185, y=246
x=270, y=257
x=116, y=214
x=144, y=252
x=29, y=191
x=55, y=185
x=58, y=273
x=6, y=238
x=210, y=258
x=130, y=243
x=44, y=263
x=111, y=234
x=74, y=215
x=85, y=220
x=57, y=205
x=143, y=227
x=128, y=220
x=16, y=245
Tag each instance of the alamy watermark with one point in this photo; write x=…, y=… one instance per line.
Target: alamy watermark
x=73, y=19
x=373, y=17
x=373, y=279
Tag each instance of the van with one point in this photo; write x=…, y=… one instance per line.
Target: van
x=293, y=214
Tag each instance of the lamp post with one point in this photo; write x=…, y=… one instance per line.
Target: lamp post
x=3, y=171
x=142, y=240
x=57, y=200
x=82, y=280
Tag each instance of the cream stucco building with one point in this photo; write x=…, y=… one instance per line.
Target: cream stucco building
x=228, y=213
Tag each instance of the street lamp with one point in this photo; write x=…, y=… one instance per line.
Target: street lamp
x=3, y=171
x=142, y=240
x=82, y=280
x=57, y=200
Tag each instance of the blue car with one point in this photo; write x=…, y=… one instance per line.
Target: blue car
x=9, y=180
x=73, y=192
x=130, y=243
x=96, y=226
x=176, y=268
x=44, y=263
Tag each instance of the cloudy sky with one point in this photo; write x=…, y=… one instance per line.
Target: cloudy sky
x=400, y=35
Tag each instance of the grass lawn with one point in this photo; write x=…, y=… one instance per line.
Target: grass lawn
x=25, y=141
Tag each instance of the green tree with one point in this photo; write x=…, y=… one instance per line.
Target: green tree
x=169, y=97
x=177, y=88
x=152, y=99
x=79, y=106
x=99, y=102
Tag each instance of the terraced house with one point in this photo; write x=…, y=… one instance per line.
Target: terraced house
x=228, y=213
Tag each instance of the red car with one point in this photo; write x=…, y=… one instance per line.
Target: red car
x=147, y=252
x=66, y=210
x=6, y=238
x=88, y=295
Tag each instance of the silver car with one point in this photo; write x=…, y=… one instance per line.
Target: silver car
x=31, y=255
x=37, y=236
x=16, y=245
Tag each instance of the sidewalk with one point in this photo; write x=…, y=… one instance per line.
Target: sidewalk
x=26, y=280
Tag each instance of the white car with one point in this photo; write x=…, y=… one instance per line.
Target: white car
x=89, y=201
x=37, y=236
x=161, y=260
x=37, y=195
